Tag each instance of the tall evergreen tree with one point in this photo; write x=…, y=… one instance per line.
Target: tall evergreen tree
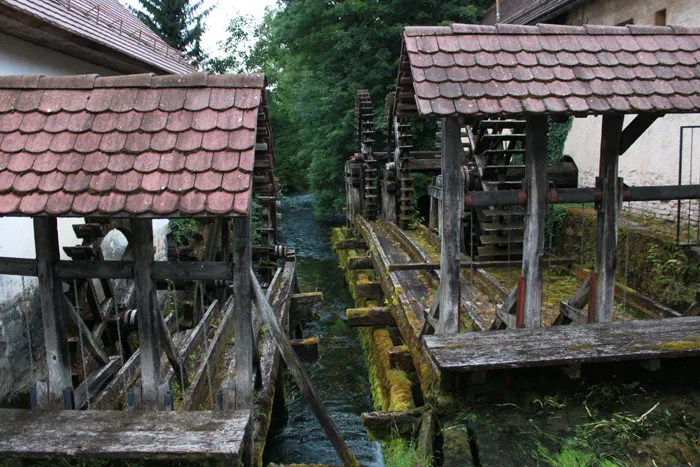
x=180, y=23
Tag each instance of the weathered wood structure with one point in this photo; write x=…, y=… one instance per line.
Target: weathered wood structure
x=494, y=88
x=120, y=152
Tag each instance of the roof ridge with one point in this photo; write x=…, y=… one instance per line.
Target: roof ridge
x=145, y=80
x=544, y=28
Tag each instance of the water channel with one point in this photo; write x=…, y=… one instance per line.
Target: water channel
x=340, y=375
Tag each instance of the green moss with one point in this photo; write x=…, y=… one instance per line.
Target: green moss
x=692, y=343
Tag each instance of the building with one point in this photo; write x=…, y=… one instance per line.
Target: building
x=54, y=38
x=654, y=159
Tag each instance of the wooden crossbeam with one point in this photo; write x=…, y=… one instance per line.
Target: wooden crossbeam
x=635, y=129
x=369, y=317
x=299, y=375
x=93, y=346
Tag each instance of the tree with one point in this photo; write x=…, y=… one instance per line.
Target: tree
x=316, y=54
x=180, y=23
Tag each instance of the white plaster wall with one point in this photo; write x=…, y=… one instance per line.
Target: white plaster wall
x=18, y=301
x=653, y=160
x=18, y=57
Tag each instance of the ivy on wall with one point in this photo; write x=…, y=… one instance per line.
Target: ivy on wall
x=556, y=138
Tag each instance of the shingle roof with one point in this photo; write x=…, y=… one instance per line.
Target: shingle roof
x=108, y=23
x=135, y=145
x=502, y=70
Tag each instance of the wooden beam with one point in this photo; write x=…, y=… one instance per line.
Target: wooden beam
x=123, y=435
x=17, y=266
x=535, y=210
x=93, y=346
x=425, y=446
x=243, y=320
x=170, y=351
x=52, y=302
x=192, y=270
x=452, y=207
x=369, y=317
x=299, y=375
x=95, y=382
x=147, y=305
x=470, y=265
x=360, y=262
x=351, y=245
x=608, y=217
x=306, y=349
x=305, y=305
x=387, y=425
x=400, y=358
x=635, y=129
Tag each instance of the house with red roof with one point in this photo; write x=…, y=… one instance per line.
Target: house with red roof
x=658, y=157
x=56, y=38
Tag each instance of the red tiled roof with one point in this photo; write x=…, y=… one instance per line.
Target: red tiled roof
x=152, y=146
x=477, y=70
x=110, y=24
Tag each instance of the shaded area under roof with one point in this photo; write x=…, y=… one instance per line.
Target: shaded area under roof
x=530, y=11
x=509, y=70
x=125, y=146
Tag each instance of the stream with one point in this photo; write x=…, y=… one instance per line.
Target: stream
x=340, y=376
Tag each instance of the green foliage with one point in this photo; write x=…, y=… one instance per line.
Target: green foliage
x=554, y=223
x=183, y=231
x=316, y=54
x=672, y=272
x=180, y=23
x=399, y=453
x=556, y=138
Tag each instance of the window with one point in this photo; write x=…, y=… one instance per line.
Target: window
x=660, y=18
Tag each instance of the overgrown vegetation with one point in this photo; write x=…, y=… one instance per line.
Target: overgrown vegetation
x=316, y=54
x=399, y=453
x=184, y=231
x=256, y=220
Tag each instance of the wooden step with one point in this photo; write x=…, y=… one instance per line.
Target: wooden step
x=500, y=239
x=515, y=253
x=80, y=252
x=498, y=227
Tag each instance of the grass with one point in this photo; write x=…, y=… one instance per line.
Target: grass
x=399, y=452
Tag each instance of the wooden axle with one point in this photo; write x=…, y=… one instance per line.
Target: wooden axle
x=476, y=199
x=472, y=265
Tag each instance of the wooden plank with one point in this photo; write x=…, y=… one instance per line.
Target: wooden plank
x=535, y=209
x=359, y=262
x=450, y=240
x=123, y=434
x=53, y=315
x=192, y=270
x=388, y=425
x=608, y=217
x=521, y=293
x=243, y=320
x=299, y=375
x=305, y=305
x=563, y=345
x=576, y=315
x=18, y=266
x=400, y=358
x=369, y=317
x=141, y=242
x=306, y=349
x=93, y=346
x=95, y=382
x=635, y=129
x=89, y=269
x=351, y=245
x=207, y=364
x=170, y=351
x=425, y=446
x=471, y=265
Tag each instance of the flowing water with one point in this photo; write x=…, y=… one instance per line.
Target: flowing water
x=340, y=375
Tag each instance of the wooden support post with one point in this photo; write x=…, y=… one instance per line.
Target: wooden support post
x=388, y=201
x=243, y=316
x=434, y=215
x=52, y=301
x=299, y=375
x=147, y=306
x=520, y=302
x=592, y=294
x=452, y=207
x=535, y=209
x=608, y=217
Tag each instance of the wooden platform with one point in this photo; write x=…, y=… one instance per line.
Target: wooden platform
x=565, y=345
x=120, y=434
